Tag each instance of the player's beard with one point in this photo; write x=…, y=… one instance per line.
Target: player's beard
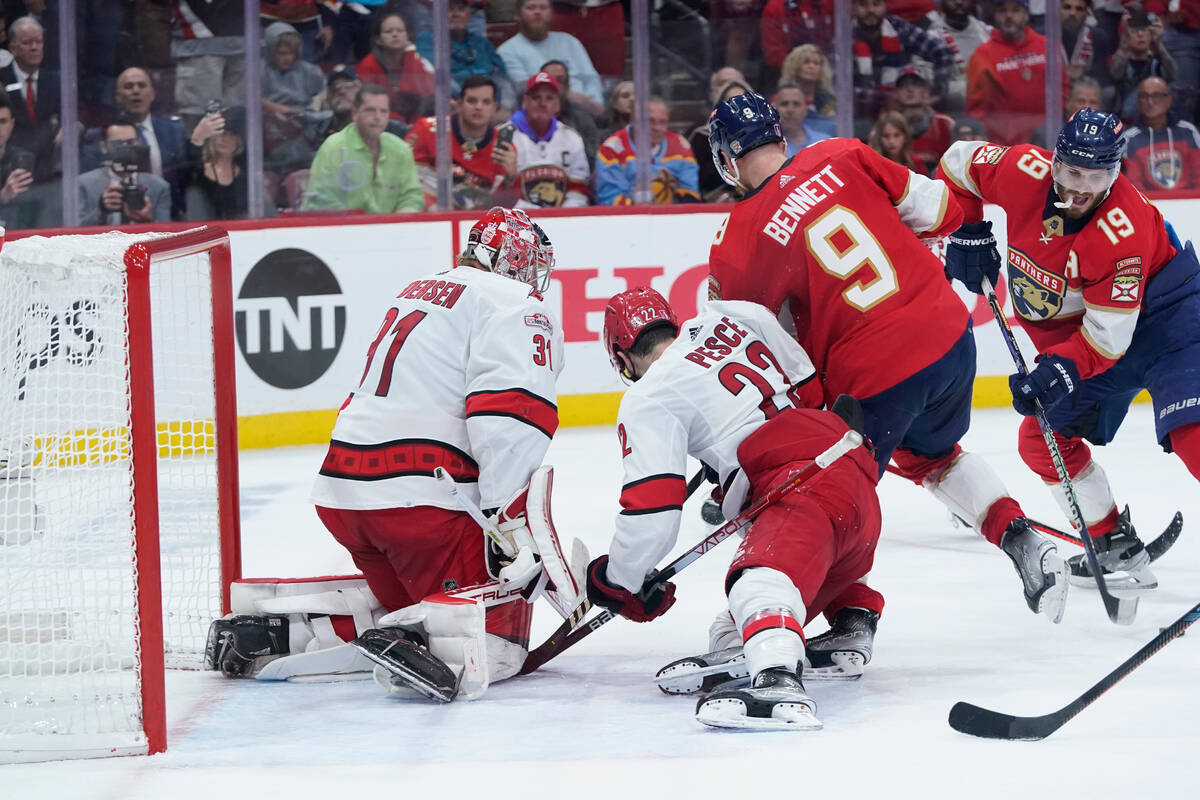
x=1072, y=209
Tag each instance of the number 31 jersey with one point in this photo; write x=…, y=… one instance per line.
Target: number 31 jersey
x=460, y=374
x=830, y=241
x=730, y=370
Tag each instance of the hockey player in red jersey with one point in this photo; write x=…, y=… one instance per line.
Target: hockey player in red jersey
x=733, y=389
x=460, y=376
x=1108, y=295
x=834, y=241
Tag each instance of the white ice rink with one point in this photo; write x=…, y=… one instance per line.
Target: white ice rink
x=592, y=724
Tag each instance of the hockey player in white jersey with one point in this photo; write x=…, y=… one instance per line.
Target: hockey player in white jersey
x=458, y=381
x=731, y=388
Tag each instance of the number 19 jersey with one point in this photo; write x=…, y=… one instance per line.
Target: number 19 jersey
x=460, y=375
x=831, y=242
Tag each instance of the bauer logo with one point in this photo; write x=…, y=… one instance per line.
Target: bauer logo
x=290, y=318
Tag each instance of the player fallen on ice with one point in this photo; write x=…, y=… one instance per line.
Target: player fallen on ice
x=834, y=241
x=1109, y=296
x=459, y=376
x=731, y=388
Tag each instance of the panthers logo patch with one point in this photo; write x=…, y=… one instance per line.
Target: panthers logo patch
x=544, y=185
x=1036, y=293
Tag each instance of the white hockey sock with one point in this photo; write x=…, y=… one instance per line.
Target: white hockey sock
x=968, y=488
x=1093, y=492
x=769, y=611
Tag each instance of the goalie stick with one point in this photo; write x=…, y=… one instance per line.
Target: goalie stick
x=1120, y=610
x=1156, y=547
x=568, y=634
x=976, y=721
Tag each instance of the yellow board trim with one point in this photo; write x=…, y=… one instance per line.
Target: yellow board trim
x=574, y=410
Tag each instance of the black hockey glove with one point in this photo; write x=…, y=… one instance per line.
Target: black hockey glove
x=971, y=254
x=621, y=601
x=240, y=646
x=1054, y=378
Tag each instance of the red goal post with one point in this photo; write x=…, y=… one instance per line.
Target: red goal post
x=119, y=529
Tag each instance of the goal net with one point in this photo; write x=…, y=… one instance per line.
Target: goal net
x=118, y=483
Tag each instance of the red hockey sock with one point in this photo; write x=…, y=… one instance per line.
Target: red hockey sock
x=856, y=595
x=1185, y=443
x=999, y=515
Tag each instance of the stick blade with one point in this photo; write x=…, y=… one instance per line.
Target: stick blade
x=1121, y=610
x=986, y=724
x=1167, y=538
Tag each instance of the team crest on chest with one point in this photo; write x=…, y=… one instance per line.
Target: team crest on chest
x=1037, y=294
x=544, y=185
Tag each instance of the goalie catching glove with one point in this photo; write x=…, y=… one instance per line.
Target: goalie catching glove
x=621, y=601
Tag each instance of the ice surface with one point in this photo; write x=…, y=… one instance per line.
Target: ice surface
x=592, y=723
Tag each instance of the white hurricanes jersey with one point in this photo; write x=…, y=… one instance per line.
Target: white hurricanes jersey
x=732, y=368
x=460, y=374
x=553, y=172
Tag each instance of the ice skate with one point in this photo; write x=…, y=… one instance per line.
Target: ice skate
x=1122, y=556
x=775, y=701
x=1041, y=569
x=409, y=663
x=704, y=673
x=845, y=649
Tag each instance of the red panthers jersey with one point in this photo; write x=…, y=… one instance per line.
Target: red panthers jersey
x=832, y=240
x=1076, y=285
x=473, y=165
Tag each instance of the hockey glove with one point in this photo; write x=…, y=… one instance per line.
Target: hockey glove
x=621, y=601
x=971, y=254
x=1054, y=378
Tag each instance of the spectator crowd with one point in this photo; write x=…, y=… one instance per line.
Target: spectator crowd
x=542, y=104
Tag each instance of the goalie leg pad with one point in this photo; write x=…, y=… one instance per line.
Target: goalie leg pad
x=454, y=628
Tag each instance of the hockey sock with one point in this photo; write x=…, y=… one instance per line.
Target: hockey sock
x=1185, y=443
x=998, y=517
x=768, y=610
x=966, y=484
x=1092, y=490
x=856, y=595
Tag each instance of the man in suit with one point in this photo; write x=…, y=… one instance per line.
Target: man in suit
x=106, y=193
x=36, y=95
x=165, y=138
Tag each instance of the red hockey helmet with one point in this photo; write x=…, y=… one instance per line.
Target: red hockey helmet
x=627, y=316
x=507, y=242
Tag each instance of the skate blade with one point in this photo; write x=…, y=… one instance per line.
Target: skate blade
x=1120, y=583
x=1053, y=602
x=847, y=665
x=730, y=713
x=689, y=677
x=406, y=677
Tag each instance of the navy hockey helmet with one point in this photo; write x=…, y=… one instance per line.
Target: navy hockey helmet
x=627, y=316
x=737, y=126
x=1088, y=153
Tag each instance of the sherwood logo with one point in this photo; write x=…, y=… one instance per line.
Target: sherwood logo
x=290, y=318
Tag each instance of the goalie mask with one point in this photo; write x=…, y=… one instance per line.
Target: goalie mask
x=627, y=316
x=508, y=243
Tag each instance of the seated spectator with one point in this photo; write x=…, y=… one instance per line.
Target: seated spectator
x=576, y=108
x=534, y=44
x=1162, y=151
x=674, y=177
x=713, y=188
x=1139, y=55
x=599, y=25
x=807, y=68
x=931, y=132
x=119, y=193
x=968, y=129
x=165, y=138
x=337, y=107
x=618, y=112
x=480, y=163
x=890, y=138
x=798, y=127
x=36, y=96
x=884, y=43
x=290, y=86
x=16, y=172
x=217, y=144
x=395, y=64
x=419, y=13
x=1086, y=47
x=1085, y=93
x=1006, y=77
x=305, y=18
x=1181, y=38
x=470, y=54
x=960, y=27
x=363, y=167
x=552, y=168
x=787, y=24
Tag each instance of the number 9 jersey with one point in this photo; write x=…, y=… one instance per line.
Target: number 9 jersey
x=831, y=241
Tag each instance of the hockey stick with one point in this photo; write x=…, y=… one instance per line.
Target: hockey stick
x=474, y=512
x=1155, y=547
x=1120, y=610
x=976, y=721
x=568, y=634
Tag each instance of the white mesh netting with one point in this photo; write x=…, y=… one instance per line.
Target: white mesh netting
x=69, y=642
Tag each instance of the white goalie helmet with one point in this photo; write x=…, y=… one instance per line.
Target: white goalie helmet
x=507, y=242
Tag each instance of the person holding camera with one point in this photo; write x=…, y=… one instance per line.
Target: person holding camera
x=122, y=191
x=16, y=166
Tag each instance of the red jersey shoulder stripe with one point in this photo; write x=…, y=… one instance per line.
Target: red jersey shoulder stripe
x=654, y=493
x=520, y=404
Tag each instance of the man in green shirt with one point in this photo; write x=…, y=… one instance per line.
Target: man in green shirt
x=362, y=166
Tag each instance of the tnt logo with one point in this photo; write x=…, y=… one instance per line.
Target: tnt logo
x=49, y=335
x=290, y=319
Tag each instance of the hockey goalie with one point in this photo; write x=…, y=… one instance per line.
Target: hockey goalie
x=434, y=484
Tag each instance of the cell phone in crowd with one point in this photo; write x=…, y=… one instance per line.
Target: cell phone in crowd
x=213, y=107
x=504, y=134
x=23, y=159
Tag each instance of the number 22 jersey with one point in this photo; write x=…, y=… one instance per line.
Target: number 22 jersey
x=830, y=241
